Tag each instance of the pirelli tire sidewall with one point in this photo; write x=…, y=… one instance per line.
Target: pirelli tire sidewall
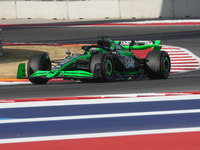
x=107, y=65
x=104, y=64
x=35, y=63
x=157, y=65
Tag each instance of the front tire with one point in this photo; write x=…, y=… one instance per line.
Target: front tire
x=157, y=65
x=38, y=62
x=104, y=64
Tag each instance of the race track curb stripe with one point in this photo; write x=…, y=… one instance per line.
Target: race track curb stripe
x=12, y=81
x=182, y=60
x=99, y=97
x=189, y=22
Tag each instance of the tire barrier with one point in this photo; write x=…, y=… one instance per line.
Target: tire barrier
x=1, y=46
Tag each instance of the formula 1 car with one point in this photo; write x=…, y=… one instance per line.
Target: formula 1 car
x=107, y=60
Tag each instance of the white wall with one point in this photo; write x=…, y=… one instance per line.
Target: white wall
x=42, y=10
x=94, y=9
x=99, y=9
x=7, y=10
x=145, y=9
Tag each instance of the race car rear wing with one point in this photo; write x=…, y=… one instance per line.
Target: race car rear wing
x=140, y=45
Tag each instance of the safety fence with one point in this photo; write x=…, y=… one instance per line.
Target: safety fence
x=1, y=39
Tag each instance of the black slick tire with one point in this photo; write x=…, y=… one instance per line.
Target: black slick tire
x=157, y=65
x=103, y=64
x=35, y=63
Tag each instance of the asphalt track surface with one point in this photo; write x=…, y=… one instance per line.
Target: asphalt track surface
x=183, y=36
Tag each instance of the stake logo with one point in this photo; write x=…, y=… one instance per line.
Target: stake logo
x=129, y=63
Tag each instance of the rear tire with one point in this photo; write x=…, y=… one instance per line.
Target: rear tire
x=157, y=65
x=102, y=63
x=38, y=62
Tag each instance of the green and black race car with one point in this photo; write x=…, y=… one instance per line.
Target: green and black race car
x=108, y=60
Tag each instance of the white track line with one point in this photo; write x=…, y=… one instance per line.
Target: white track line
x=98, y=135
x=164, y=21
x=133, y=99
x=135, y=114
x=14, y=83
